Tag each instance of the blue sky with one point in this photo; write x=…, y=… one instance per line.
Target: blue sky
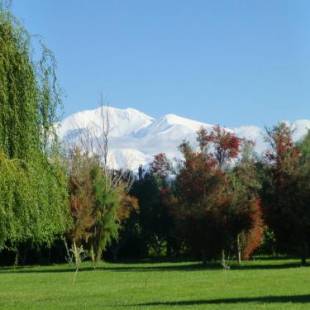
x=226, y=62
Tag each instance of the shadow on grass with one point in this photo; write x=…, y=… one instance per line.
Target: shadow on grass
x=263, y=266
x=262, y=299
x=130, y=268
x=152, y=268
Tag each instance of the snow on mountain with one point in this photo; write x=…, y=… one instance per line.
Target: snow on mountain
x=127, y=158
x=121, y=122
x=136, y=137
x=252, y=133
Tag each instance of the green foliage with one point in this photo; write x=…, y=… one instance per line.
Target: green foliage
x=304, y=147
x=29, y=92
x=98, y=203
x=152, y=218
x=32, y=201
x=108, y=200
x=33, y=195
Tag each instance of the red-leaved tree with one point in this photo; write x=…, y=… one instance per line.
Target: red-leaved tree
x=217, y=195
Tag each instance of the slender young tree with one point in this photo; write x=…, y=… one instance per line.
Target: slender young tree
x=102, y=193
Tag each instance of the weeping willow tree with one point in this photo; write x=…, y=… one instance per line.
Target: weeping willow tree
x=33, y=194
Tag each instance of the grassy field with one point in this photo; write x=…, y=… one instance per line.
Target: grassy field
x=263, y=284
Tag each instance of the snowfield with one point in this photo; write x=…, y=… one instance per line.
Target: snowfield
x=134, y=137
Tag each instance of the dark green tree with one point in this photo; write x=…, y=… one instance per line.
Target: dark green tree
x=285, y=192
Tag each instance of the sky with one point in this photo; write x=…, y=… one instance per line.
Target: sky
x=227, y=62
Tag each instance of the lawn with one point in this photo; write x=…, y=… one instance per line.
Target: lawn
x=262, y=284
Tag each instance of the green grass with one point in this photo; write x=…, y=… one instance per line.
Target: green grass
x=263, y=284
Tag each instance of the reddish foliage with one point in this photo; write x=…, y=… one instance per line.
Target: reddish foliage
x=80, y=208
x=161, y=165
x=194, y=176
x=129, y=204
x=202, y=174
x=254, y=236
x=227, y=145
x=283, y=154
x=203, y=138
x=214, y=209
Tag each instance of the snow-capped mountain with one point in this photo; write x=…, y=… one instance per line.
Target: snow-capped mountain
x=134, y=137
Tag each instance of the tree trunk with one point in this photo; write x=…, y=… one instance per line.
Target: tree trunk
x=238, y=249
x=16, y=260
x=92, y=253
x=69, y=256
x=77, y=257
x=98, y=251
x=98, y=255
x=97, y=245
x=223, y=259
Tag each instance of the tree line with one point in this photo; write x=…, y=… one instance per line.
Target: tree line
x=221, y=201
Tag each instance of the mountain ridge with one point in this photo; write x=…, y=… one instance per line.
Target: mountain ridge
x=136, y=137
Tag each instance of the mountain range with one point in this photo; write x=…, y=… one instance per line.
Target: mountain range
x=134, y=137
